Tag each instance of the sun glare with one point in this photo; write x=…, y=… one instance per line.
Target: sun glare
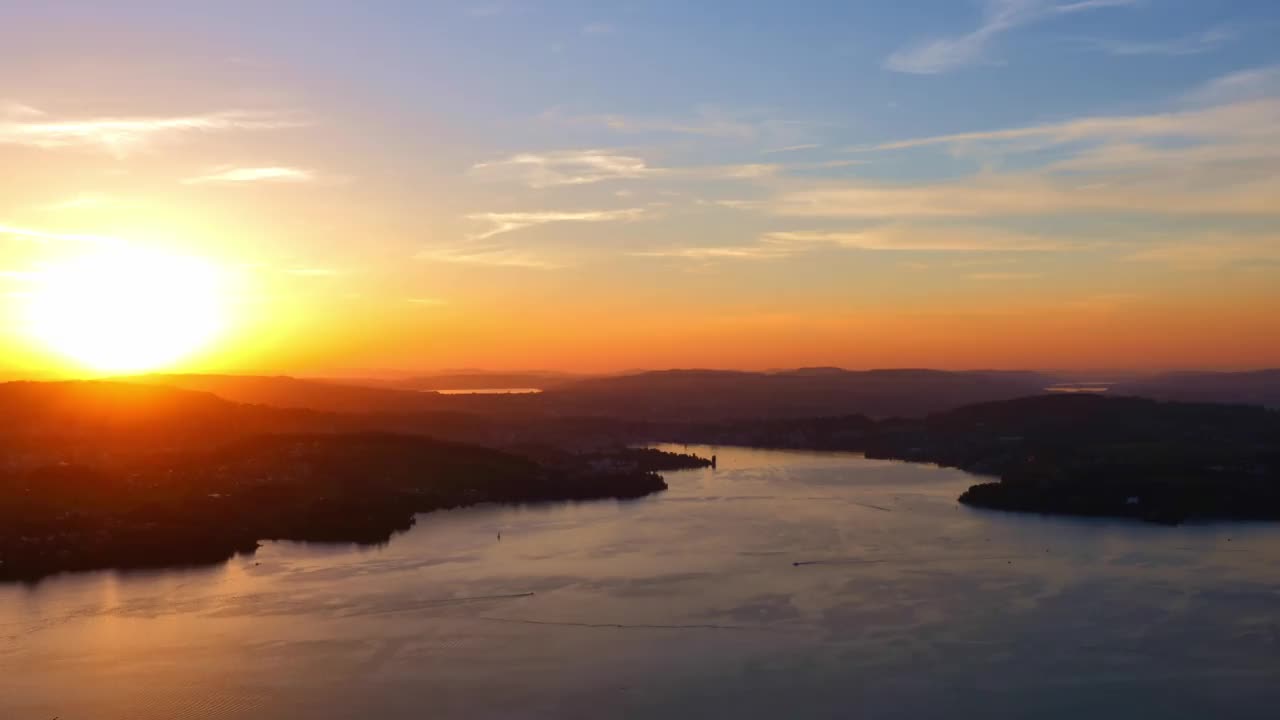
x=126, y=310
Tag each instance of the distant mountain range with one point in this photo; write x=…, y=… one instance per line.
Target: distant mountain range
x=1053, y=452
x=284, y=391
x=114, y=414
x=474, y=380
x=698, y=395
x=708, y=395
x=661, y=396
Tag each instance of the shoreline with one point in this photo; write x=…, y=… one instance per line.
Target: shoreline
x=205, y=508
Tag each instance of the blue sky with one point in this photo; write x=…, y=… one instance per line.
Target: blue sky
x=1103, y=167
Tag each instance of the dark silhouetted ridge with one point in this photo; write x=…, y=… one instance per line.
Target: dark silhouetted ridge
x=109, y=474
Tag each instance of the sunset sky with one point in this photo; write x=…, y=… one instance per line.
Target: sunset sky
x=594, y=186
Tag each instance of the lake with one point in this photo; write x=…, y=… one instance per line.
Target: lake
x=488, y=391
x=782, y=584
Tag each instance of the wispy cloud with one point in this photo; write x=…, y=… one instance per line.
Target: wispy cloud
x=480, y=249
x=823, y=165
x=759, y=251
x=598, y=28
x=1212, y=251
x=1030, y=194
x=487, y=254
x=427, y=301
x=1202, y=157
x=1132, y=156
x=1239, y=119
x=1195, y=44
x=885, y=238
x=121, y=135
x=510, y=222
x=791, y=148
x=749, y=171
x=944, y=54
x=12, y=110
x=586, y=167
x=909, y=238
x=1240, y=86
x=252, y=174
x=1082, y=5
x=738, y=204
x=564, y=167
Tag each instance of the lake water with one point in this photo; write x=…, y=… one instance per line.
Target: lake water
x=689, y=604
x=488, y=391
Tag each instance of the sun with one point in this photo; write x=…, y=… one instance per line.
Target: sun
x=125, y=310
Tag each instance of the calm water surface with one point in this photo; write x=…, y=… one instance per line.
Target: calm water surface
x=488, y=391
x=780, y=585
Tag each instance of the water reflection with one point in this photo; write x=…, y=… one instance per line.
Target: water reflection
x=780, y=585
x=488, y=391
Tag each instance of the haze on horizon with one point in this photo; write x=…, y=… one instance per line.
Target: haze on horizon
x=599, y=186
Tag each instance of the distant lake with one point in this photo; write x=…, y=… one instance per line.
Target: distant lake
x=781, y=585
x=489, y=391
x=1079, y=388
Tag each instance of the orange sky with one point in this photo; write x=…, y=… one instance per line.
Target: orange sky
x=444, y=189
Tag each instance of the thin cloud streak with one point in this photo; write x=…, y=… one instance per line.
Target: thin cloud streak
x=1259, y=83
x=121, y=136
x=945, y=54
x=1136, y=156
x=586, y=167
x=564, y=167
x=510, y=222
x=905, y=238
x=887, y=238
x=1212, y=252
x=791, y=148
x=252, y=174
x=490, y=255
x=762, y=251
x=1196, y=44
x=1236, y=119
x=1029, y=195
x=1206, y=158
x=1082, y=5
